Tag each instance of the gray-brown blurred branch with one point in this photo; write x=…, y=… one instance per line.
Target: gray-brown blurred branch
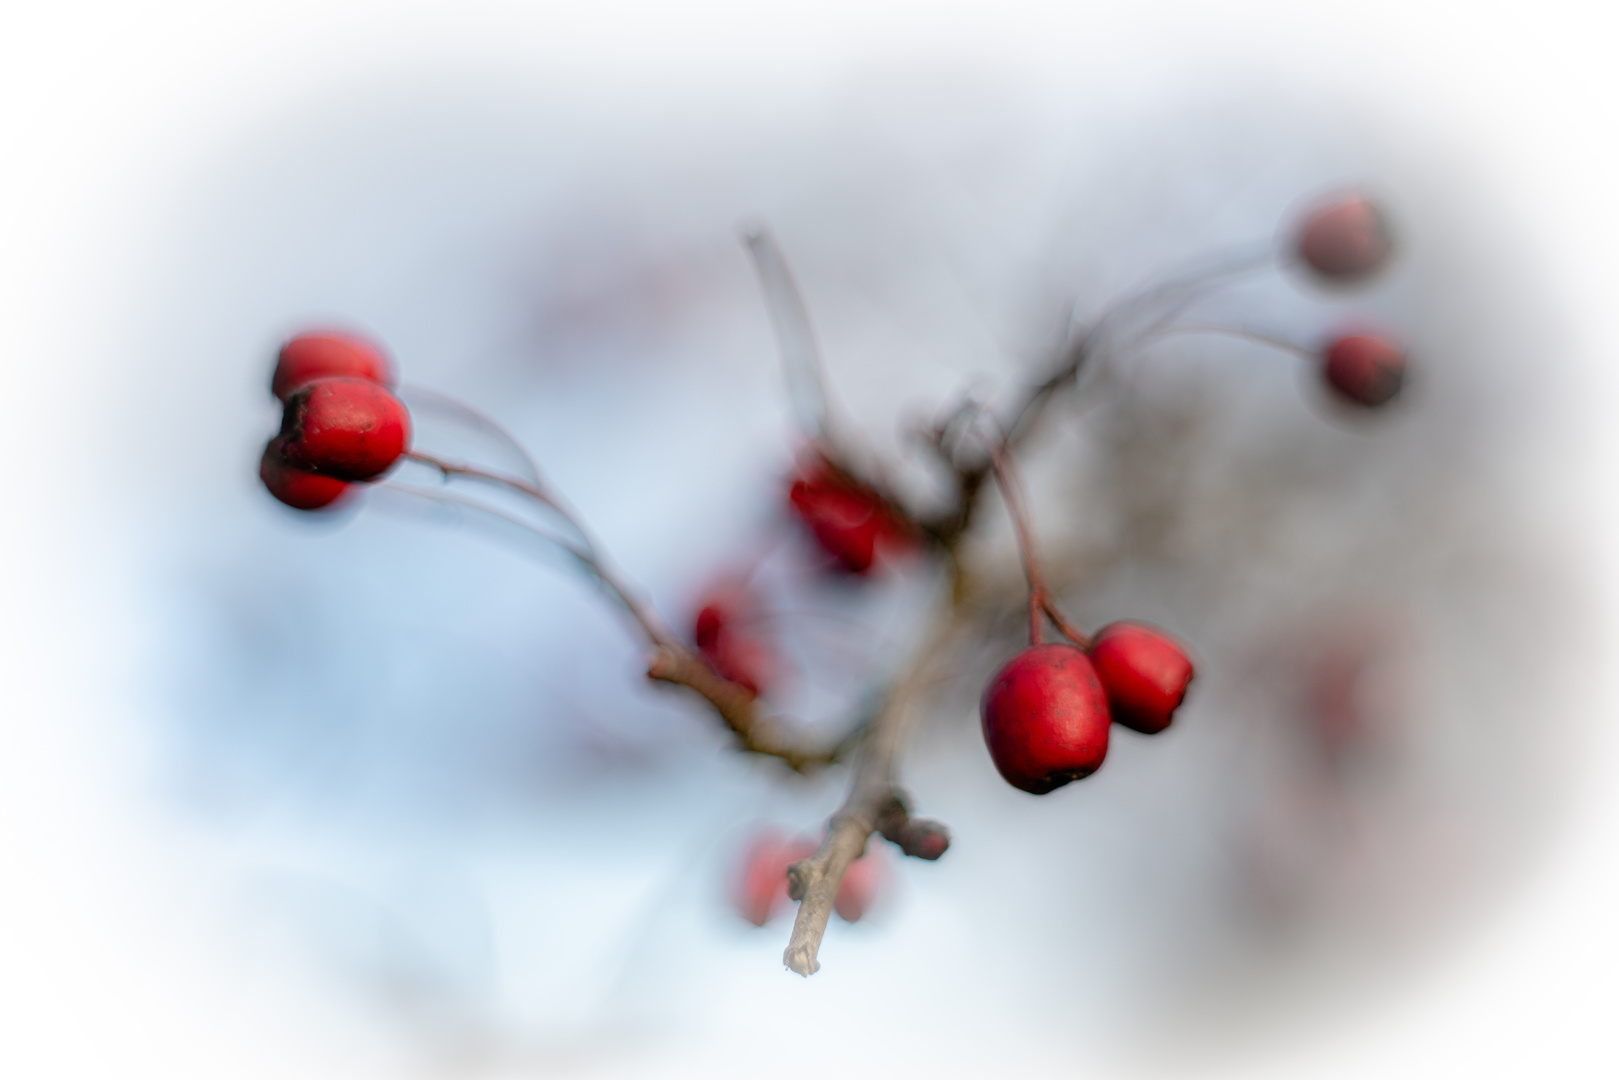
x=875, y=803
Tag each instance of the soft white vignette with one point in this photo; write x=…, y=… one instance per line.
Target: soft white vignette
x=101, y=105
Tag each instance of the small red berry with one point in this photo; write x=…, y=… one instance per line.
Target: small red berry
x=1144, y=673
x=1045, y=718
x=1346, y=240
x=298, y=489
x=308, y=357
x=849, y=520
x=352, y=429
x=762, y=887
x=862, y=885
x=1364, y=370
x=729, y=649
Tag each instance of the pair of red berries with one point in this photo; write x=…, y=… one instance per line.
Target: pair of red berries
x=341, y=424
x=1047, y=712
x=761, y=891
x=849, y=520
x=1344, y=242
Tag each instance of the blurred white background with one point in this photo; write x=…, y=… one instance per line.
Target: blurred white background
x=193, y=884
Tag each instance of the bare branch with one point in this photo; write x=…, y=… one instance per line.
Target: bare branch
x=870, y=805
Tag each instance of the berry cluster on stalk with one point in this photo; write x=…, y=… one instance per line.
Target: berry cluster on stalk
x=1046, y=714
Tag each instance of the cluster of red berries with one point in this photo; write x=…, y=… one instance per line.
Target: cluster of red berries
x=342, y=423
x=761, y=889
x=1047, y=712
x=1345, y=242
x=851, y=521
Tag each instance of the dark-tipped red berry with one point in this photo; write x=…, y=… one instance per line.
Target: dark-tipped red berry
x=1045, y=718
x=1364, y=370
x=327, y=355
x=1346, y=240
x=1144, y=673
x=298, y=489
x=850, y=521
x=352, y=429
x=742, y=657
x=761, y=888
x=923, y=838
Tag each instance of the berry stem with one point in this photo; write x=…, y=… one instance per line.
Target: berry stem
x=1040, y=598
x=672, y=662
x=588, y=554
x=1259, y=337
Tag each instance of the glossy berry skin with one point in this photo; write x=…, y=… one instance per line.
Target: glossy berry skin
x=1345, y=241
x=298, y=489
x=730, y=650
x=1144, y=673
x=308, y=357
x=1363, y=370
x=862, y=885
x=1045, y=718
x=351, y=429
x=761, y=890
x=849, y=521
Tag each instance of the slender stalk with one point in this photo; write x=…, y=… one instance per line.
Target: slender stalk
x=672, y=662
x=1041, y=601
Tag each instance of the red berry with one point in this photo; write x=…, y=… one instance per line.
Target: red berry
x=1364, y=370
x=298, y=489
x=1144, y=672
x=308, y=357
x=1045, y=718
x=352, y=429
x=849, y=520
x=1345, y=240
x=735, y=654
x=861, y=886
x=762, y=887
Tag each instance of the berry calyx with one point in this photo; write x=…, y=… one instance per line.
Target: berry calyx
x=326, y=355
x=1045, y=718
x=1144, y=673
x=850, y=521
x=761, y=890
x=730, y=650
x=298, y=489
x=351, y=429
x=1363, y=370
x=1346, y=240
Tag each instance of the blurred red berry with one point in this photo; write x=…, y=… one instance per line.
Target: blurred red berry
x=1364, y=370
x=1144, y=673
x=861, y=887
x=762, y=886
x=1346, y=240
x=298, y=489
x=352, y=429
x=308, y=357
x=850, y=521
x=722, y=639
x=1045, y=718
